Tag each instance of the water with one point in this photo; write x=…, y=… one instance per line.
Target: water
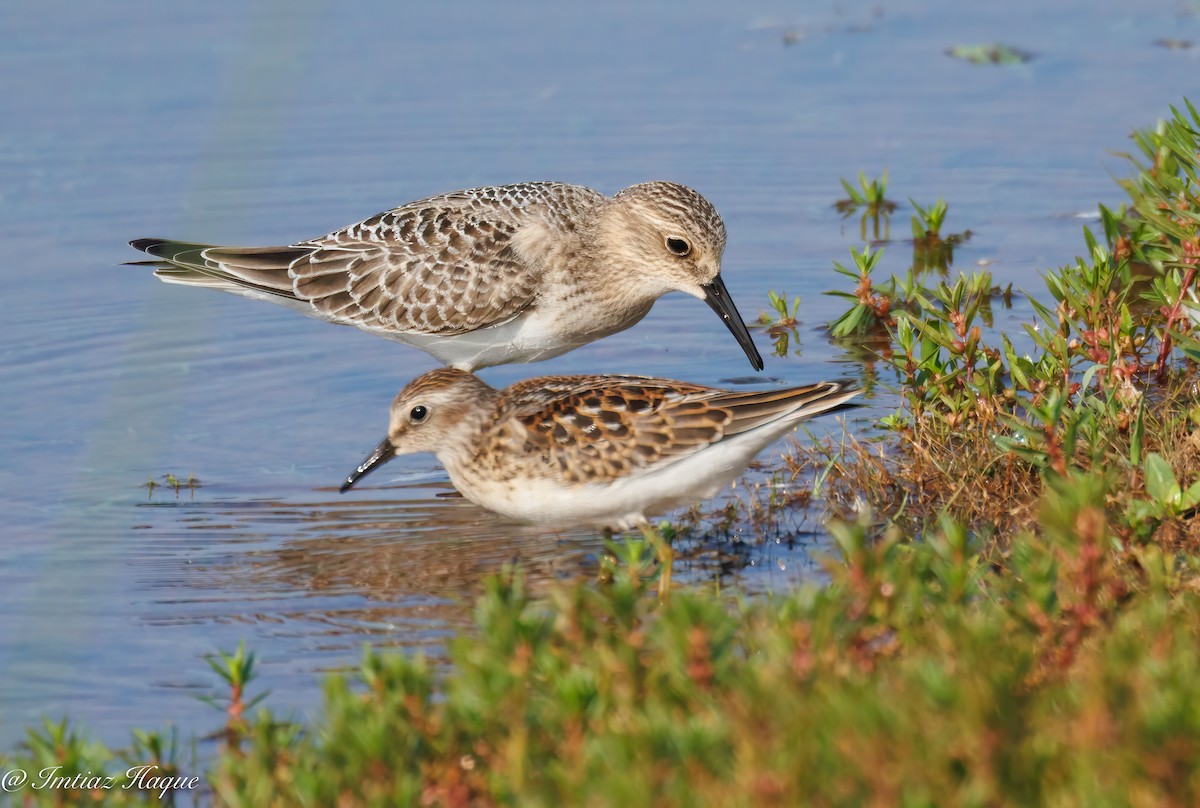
x=273, y=121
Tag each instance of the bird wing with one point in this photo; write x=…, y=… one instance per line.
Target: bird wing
x=579, y=429
x=444, y=265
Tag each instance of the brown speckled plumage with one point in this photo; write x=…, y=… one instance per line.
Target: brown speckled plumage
x=527, y=271
x=577, y=439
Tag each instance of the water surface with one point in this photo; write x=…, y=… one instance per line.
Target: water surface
x=273, y=121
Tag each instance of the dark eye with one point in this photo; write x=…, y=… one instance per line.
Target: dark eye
x=418, y=414
x=678, y=246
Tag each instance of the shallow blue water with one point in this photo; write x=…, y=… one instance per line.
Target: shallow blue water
x=268, y=122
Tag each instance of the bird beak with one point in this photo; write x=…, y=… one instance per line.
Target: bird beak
x=717, y=297
x=378, y=456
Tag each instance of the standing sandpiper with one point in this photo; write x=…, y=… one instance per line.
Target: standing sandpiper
x=487, y=276
x=606, y=451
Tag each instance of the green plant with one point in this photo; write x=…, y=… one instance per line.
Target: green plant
x=236, y=670
x=781, y=326
x=871, y=198
x=872, y=306
x=1165, y=498
x=932, y=250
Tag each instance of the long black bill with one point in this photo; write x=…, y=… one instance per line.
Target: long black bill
x=717, y=296
x=378, y=456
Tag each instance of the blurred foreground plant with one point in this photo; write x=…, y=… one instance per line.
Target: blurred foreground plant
x=921, y=673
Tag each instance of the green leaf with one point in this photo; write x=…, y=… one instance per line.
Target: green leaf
x=1160, y=480
x=1191, y=497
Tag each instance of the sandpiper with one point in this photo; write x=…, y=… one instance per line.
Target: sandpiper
x=487, y=276
x=606, y=451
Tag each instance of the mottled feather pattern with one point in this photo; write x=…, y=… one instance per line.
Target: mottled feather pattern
x=419, y=223
x=466, y=385
x=490, y=275
x=442, y=265
x=686, y=205
x=589, y=429
x=443, y=289
x=598, y=450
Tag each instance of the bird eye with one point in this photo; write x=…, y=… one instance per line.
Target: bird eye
x=678, y=246
x=418, y=413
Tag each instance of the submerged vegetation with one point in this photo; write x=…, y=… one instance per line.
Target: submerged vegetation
x=990, y=54
x=176, y=484
x=1012, y=615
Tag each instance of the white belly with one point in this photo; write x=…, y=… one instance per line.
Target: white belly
x=621, y=504
x=522, y=339
x=534, y=335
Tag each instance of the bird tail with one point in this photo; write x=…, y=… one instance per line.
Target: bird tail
x=755, y=409
x=250, y=271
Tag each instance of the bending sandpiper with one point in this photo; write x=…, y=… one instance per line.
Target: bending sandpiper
x=604, y=451
x=487, y=276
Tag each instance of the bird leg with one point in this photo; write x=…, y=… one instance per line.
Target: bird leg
x=666, y=557
x=608, y=561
